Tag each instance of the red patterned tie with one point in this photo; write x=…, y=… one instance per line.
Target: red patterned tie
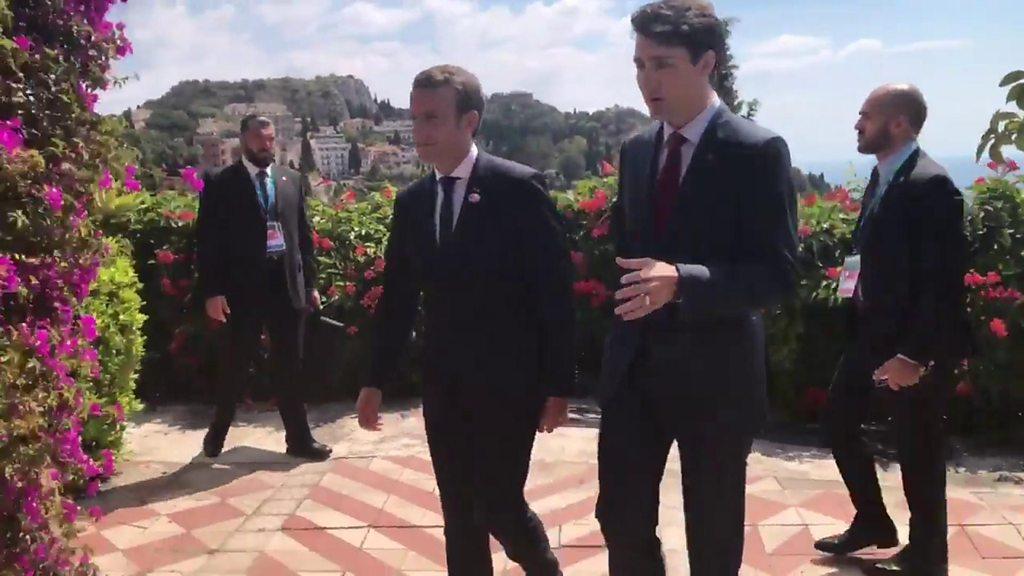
x=669, y=178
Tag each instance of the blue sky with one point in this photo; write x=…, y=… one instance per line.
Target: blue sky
x=810, y=62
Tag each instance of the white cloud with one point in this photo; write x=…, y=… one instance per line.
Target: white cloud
x=790, y=52
x=571, y=53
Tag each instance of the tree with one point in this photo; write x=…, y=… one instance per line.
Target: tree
x=572, y=166
x=355, y=159
x=314, y=125
x=1006, y=127
x=175, y=123
x=307, y=163
x=724, y=80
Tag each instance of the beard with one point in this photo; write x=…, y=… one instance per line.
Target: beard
x=875, y=143
x=259, y=159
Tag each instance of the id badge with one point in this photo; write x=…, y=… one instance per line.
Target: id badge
x=275, y=238
x=848, y=277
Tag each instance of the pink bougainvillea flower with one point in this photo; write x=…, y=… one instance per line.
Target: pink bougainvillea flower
x=55, y=198
x=11, y=137
x=999, y=328
x=23, y=43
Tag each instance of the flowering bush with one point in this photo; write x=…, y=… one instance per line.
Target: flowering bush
x=54, y=151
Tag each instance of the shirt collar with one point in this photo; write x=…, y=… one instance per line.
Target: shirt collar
x=253, y=169
x=887, y=168
x=464, y=170
x=695, y=129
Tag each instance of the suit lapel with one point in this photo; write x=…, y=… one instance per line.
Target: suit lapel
x=642, y=181
x=247, y=190
x=863, y=229
x=703, y=161
x=473, y=197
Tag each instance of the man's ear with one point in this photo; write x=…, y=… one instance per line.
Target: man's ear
x=707, y=63
x=472, y=121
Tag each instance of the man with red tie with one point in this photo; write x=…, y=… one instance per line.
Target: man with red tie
x=705, y=230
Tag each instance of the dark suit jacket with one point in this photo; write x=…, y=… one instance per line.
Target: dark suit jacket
x=497, y=299
x=733, y=239
x=914, y=256
x=232, y=245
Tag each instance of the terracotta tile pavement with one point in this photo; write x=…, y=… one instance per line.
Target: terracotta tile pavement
x=379, y=514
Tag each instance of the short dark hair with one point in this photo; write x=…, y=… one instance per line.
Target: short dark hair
x=907, y=100
x=469, y=94
x=251, y=120
x=689, y=24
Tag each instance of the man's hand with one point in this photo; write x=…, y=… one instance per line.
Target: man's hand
x=368, y=408
x=556, y=413
x=649, y=286
x=899, y=373
x=314, y=300
x=217, y=308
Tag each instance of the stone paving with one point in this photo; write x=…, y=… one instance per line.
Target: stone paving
x=373, y=509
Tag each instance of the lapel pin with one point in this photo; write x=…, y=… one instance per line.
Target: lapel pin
x=474, y=197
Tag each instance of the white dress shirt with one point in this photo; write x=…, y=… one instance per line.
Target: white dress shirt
x=462, y=172
x=693, y=132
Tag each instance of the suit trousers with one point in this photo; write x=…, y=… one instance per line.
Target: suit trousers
x=639, y=424
x=918, y=414
x=271, y=309
x=480, y=449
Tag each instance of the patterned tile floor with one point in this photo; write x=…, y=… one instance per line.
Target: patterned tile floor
x=373, y=508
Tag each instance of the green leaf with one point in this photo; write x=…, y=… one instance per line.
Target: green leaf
x=1015, y=93
x=1012, y=78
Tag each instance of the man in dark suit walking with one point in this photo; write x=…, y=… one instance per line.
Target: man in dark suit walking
x=705, y=230
x=256, y=271
x=909, y=332
x=482, y=243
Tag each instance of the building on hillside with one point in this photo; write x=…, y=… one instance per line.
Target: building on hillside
x=217, y=152
x=331, y=153
x=139, y=117
x=285, y=125
x=357, y=124
x=517, y=97
x=391, y=159
x=402, y=127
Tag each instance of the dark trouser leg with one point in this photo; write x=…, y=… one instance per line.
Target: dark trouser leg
x=848, y=403
x=241, y=344
x=285, y=325
x=632, y=451
x=449, y=437
x=714, y=463
x=921, y=442
x=502, y=444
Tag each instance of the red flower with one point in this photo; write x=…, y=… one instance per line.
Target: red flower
x=350, y=197
x=981, y=181
x=607, y=169
x=186, y=216
x=579, y=260
x=350, y=289
x=833, y=273
x=353, y=330
x=805, y=232
x=811, y=200
x=993, y=278
x=851, y=206
x=1011, y=166
x=165, y=257
x=593, y=289
x=370, y=275
x=332, y=292
x=974, y=280
x=388, y=193
x=371, y=298
x=596, y=204
x=326, y=244
x=993, y=166
x=840, y=195
x=814, y=400
x=167, y=287
x=360, y=251
x=601, y=230
x=998, y=327
x=379, y=265
x=964, y=389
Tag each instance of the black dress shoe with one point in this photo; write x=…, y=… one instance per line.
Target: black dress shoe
x=904, y=562
x=858, y=538
x=213, y=443
x=312, y=451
